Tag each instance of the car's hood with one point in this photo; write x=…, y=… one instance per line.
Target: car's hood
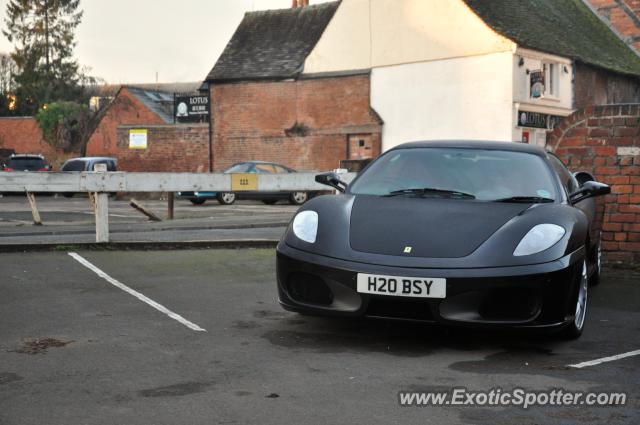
x=442, y=233
x=425, y=227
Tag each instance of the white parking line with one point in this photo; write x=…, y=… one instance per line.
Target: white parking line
x=136, y=294
x=605, y=359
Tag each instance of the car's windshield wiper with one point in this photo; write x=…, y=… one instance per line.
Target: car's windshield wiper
x=526, y=199
x=431, y=190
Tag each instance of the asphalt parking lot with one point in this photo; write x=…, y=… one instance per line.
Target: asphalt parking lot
x=77, y=349
x=71, y=221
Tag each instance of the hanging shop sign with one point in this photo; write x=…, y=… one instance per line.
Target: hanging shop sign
x=191, y=108
x=536, y=83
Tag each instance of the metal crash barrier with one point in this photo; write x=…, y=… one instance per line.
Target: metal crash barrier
x=100, y=184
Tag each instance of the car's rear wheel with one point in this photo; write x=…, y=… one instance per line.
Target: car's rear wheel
x=298, y=198
x=575, y=328
x=269, y=201
x=226, y=198
x=197, y=201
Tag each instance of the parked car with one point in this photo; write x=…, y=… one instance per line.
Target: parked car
x=26, y=162
x=87, y=164
x=476, y=234
x=269, y=198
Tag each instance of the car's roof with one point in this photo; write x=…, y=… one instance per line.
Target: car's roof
x=26, y=155
x=91, y=158
x=476, y=144
x=257, y=162
x=263, y=162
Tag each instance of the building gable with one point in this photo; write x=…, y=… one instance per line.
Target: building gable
x=272, y=44
x=367, y=34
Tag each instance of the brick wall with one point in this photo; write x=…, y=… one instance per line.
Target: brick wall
x=257, y=121
x=23, y=135
x=170, y=148
x=125, y=109
x=605, y=140
x=623, y=16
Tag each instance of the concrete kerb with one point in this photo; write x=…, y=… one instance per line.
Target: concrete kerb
x=143, y=246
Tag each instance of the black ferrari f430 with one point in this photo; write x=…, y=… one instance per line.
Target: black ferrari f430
x=487, y=234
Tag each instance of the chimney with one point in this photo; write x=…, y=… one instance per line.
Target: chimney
x=299, y=3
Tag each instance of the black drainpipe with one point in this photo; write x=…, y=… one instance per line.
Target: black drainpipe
x=210, y=128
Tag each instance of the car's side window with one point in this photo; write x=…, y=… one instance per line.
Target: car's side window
x=265, y=169
x=568, y=181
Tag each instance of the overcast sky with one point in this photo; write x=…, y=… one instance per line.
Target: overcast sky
x=128, y=41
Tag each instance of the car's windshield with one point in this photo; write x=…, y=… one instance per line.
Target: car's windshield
x=487, y=175
x=74, y=166
x=26, y=163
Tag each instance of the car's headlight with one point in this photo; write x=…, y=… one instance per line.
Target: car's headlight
x=305, y=226
x=539, y=238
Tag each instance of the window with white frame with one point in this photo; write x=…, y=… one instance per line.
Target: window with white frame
x=551, y=76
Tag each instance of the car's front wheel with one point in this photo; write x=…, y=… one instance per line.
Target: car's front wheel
x=298, y=198
x=226, y=198
x=575, y=328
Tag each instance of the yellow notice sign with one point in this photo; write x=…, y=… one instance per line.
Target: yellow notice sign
x=138, y=139
x=240, y=182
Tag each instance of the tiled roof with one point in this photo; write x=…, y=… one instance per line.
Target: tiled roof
x=563, y=27
x=160, y=102
x=272, y=44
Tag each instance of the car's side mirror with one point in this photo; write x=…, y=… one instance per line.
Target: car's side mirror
x=588, y=190
x=583, y=176
x=331, y=179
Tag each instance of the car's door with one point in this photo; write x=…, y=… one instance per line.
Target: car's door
x=264, y=168
x=283, y=170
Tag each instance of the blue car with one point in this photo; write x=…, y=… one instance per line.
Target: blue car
x=258, y=167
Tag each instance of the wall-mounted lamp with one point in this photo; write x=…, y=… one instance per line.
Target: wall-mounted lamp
x=565, y=69
x=521, y=61
x=528, y=71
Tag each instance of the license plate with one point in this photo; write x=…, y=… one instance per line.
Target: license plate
x=421, y=287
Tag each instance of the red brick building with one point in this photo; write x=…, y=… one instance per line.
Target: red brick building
x=623, y=16
x=263, y=109
x=130, y=106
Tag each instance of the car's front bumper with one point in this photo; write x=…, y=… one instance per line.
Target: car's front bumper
x=537, y=296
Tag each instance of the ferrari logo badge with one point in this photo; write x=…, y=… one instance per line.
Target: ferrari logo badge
x=407, y=250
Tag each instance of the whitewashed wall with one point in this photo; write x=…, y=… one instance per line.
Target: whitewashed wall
x=367, y=34
x=462, y=98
